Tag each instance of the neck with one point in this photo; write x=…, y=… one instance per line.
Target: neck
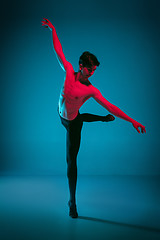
x=81, y=79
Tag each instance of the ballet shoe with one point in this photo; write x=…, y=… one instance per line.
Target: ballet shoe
x=72, y=210
x=108, y=118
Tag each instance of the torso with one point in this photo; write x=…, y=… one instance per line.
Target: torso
x=73, y=95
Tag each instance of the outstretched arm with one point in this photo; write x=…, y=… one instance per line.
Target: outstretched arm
x=116, y=111
x=57, y=45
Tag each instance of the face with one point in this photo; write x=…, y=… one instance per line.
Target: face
x=87, y=71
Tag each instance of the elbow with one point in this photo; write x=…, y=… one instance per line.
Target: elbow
x=58, y=51
x=115, y=111
x=111, y=109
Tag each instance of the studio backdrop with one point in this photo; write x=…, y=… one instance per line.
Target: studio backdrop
x=124, y=35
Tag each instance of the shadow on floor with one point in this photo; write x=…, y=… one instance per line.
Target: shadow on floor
x=120, y=224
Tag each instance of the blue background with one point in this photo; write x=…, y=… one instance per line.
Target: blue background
x=124, y=35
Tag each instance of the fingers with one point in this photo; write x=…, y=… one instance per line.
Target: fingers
x=45, y=22
x=46, y=19
x=138, y=130
x=143, y=130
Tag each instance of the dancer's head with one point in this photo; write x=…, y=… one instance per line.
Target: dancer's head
x=88, y=63
x=87, y=59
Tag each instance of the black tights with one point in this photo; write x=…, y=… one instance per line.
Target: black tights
x=72, y=147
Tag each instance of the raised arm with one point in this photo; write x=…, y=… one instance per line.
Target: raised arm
x=115, y=110
x=57, y=45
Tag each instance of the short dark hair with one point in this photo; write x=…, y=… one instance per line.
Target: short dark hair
x=87, y=59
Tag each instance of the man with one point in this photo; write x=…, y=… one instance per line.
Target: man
x=76, y=90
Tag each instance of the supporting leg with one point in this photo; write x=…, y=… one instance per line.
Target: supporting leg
x=73, y=144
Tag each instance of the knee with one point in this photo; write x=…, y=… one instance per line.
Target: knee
x=72, y=153
x=71, y=170
x=71, y=162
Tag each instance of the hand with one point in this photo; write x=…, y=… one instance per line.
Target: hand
x=108, y=118
x=136, y=125
x=47, y=24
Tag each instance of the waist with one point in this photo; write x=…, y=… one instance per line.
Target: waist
x=68, y=113
x=66, y=117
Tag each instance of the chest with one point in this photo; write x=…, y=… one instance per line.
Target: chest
x=77, y=91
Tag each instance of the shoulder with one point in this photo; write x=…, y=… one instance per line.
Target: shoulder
x=69, y=67
x=69, y=74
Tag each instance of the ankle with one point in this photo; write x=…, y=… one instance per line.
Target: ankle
x=72, y=203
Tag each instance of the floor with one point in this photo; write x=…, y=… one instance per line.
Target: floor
x=109, y=207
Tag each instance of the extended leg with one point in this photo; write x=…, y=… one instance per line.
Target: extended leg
x=87, y=117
